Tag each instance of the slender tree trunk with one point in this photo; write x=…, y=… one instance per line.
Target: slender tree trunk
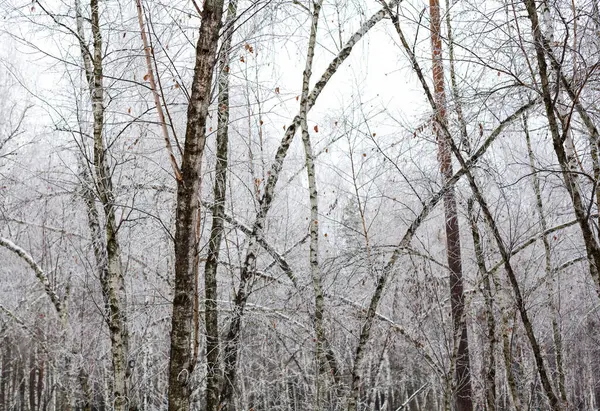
x=594, y=361
x=490, y=364
x=108, y=259
x=181, y=362
x=32, y=374
x=157, y=101
x=315, y=268
x=40, y=383
x=579, y=207
x=520, y=302
x=554, y=402
x=87, y=392
x=5, y=374
x=464, y=392
x=231, y=344
x=550, y=274
x=21, y=383
x=508, y=361
x=213, y=368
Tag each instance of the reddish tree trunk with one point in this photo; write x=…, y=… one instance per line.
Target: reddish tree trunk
x=463, y=391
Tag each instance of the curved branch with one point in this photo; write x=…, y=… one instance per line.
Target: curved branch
x=39, y=273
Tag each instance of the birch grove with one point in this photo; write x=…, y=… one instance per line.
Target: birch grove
x=299, y=205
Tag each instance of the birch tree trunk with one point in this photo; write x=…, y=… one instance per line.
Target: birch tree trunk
x=106, y=245
x=490, y=364
x=231, y=343
x=579, y=207
x=213, y=368
x=550, y=275
x=315, y=268
x=181, y=362
x=520, y=302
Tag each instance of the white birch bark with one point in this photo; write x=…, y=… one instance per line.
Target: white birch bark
x=315, y=269
x=40, y=274
x=249, y=266
x=213, y=349
x=108, y=258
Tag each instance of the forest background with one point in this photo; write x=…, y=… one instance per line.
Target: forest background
x=290, y=205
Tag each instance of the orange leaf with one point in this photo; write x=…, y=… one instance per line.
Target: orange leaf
x=277, y=90
x=316, y=129
x=146, y=77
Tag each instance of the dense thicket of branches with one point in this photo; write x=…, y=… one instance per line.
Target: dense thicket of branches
x=306, y=205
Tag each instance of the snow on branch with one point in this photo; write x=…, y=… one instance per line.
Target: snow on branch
x=39, y=273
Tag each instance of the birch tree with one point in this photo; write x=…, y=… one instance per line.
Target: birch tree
x=181, y=362
x=107, y=248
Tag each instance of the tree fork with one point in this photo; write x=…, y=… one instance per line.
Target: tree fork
x=181, y=362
